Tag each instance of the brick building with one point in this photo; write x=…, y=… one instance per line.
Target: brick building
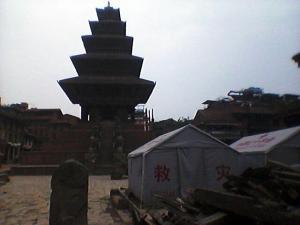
x=24, y=131
x=247, y=112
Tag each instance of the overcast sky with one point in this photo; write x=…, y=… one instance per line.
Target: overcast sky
x=194, y=50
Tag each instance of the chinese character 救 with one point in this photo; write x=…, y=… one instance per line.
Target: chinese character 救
x=161, y=173
x=222, y=171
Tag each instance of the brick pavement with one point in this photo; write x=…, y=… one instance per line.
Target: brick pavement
x=25, y=200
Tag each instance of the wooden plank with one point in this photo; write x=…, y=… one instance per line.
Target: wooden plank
x=283, y=166
x=291, y=182
x=139, y=216
x=245, y=206
x=218, y=218
x=131, y=203
x=284, y=174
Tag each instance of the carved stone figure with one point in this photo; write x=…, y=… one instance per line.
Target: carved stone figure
x=69, y=197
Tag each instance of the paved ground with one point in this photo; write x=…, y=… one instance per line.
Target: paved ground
x=25, y=200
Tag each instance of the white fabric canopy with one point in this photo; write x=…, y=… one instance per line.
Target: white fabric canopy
x=264, y=142
x=181, y=160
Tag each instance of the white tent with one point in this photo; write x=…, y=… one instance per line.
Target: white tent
x=281, y=145
x=181, y=160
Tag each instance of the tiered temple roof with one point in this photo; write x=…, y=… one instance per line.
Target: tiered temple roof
x=108, y=85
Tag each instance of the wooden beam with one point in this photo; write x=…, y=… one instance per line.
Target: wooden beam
x=280, y=165
x=245, y=206
x=218, y=218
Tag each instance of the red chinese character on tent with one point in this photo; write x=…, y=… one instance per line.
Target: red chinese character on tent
x=161, y=173
x=222, y=171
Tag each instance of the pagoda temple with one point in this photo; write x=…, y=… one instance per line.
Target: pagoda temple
x=108, y=85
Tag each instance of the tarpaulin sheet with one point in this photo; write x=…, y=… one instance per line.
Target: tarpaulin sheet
x=181, y=161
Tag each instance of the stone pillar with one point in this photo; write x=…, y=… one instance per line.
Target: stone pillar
x=13, y=154
x=8, y=154
x=122, y=114
x=95, y=115
x=18, y=153
x=84, y=114
x=69, y=197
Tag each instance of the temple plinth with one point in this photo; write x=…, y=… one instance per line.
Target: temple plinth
x=108, y=85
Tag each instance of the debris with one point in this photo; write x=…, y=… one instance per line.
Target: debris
x=247, y=207
x=267, y=195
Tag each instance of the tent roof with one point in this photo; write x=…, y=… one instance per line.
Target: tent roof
x=264, y=142
x=148, y=147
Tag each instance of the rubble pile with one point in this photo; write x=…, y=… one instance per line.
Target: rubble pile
x=267, y=195
x=276, y=185
x=166, y=211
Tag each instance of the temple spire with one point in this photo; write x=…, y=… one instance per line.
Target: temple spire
x=108, y=84
x=108, y=4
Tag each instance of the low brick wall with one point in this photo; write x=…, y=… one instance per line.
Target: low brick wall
x=33, y=169
x=49, y=158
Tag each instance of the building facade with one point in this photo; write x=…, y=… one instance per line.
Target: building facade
x=247, y=112
x=26, y=131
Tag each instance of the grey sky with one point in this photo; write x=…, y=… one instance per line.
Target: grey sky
x=195, y=50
